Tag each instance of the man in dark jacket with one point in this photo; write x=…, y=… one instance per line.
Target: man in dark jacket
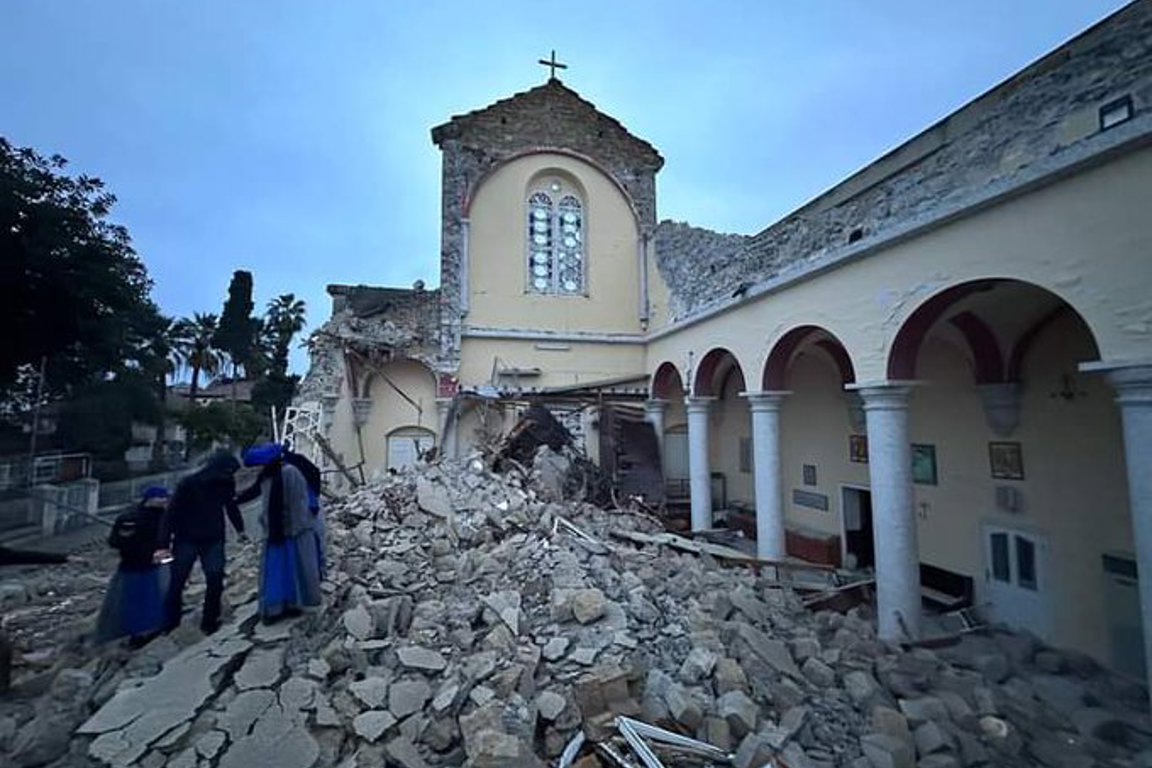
x=195, y=527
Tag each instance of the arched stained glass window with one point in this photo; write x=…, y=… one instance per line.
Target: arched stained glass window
x=556, y=244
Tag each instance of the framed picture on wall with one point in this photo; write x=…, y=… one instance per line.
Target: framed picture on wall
x=1006, y=460
x=746, y=454
x=809, y=474
x=923, y=464
x=858, y=448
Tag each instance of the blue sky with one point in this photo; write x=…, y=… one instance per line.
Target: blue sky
x=291, y=137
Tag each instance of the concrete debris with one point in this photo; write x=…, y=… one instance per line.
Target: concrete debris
x=464, y=625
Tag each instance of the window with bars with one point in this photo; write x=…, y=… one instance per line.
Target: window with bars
x=556, y=258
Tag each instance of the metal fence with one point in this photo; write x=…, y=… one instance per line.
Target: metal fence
x=49, y=468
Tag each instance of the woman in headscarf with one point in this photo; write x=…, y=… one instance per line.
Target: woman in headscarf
x=313, y=477
x=289, y=568
x=134, y=604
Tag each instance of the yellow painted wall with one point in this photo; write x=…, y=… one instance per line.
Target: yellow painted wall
x=342, y=435
x=392, y=411
x=729, y=422
x=1074, y=490
x=560, y=363
x=498, y=253
x=814, y=429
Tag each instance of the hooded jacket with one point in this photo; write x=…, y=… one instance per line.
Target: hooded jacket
x=201, y=501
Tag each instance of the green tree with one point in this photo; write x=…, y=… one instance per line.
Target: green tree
x=192, y=339
x=284, y=318
x=98, y=417
x=236, y=334
x=236, y=424
x=72, y=290
x=161, y=360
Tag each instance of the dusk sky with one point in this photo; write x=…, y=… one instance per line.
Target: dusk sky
x=292, y=139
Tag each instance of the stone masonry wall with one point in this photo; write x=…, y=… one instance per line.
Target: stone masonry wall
x=395, y=322
x=1043, y=119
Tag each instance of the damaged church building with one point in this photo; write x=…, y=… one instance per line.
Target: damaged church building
x=940, y=369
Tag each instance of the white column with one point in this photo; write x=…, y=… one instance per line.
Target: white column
x=447, y=428
x=699, y=473
x=894, y=517
x=1134, y=396
x=770, y=542
x=654, y=414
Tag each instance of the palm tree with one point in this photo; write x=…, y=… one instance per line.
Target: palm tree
x=194, y=342
x=169, y=358
x=286, y=316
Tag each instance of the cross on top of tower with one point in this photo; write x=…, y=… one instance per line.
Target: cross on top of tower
x=553, y=65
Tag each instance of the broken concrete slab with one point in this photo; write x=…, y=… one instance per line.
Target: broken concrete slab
x=425, y=659
x=371, y=725
x=135, y=718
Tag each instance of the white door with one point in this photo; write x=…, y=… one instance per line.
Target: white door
x=404, y=449
x=1016, y=579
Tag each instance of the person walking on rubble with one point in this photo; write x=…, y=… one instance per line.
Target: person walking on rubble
x=195, y=527
x=289, y=567
x=134, y=603
x=312, y=476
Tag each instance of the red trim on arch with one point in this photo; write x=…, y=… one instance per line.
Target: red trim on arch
x=839, y=356
x=666, y=382
x=1028, y=338
x=986, y=355
x=906, y=347
x=776, y=368
x=706, y=372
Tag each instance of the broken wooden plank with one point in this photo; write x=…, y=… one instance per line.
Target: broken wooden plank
x=589, y=541
x=839, y=598
x=719, y=551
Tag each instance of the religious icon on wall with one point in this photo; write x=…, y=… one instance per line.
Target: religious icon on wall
x=923, y=464
x=1007, y=461
x=858, y=448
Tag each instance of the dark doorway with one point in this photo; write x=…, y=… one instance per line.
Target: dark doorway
x=858, y=543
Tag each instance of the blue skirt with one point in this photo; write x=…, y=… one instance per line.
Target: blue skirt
x=134, y=604
x=289, y=576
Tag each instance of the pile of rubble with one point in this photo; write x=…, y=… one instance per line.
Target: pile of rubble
x=481, y=618
x=485, y=620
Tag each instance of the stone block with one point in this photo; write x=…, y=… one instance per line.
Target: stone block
x=753, y=752
x=923, y=709
x=818, y=672
x=423, y=659
x=739, y=710
x=587, y=605
x=550, y=704
x=885, y=751
x=717, y=732
x=697, y=666
x=683, y=707
x=408, y=696
x=861, y=687
x=728, y=675
x=889, y=721
x=371, y=725
x=930, y=738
